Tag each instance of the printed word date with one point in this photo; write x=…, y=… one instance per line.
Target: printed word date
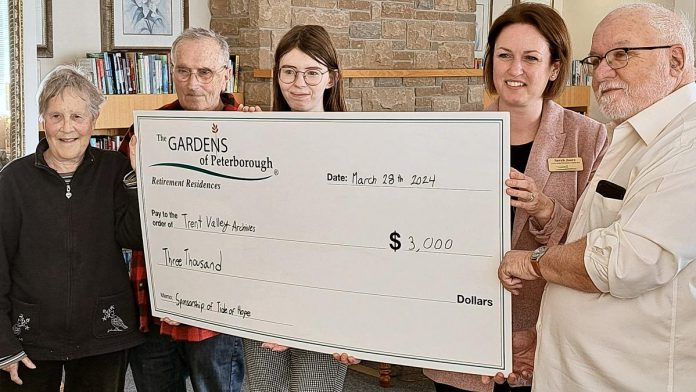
x=388, y=179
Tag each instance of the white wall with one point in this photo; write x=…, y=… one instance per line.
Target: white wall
x=688, y=7
x=73, y=38
x=199, y=13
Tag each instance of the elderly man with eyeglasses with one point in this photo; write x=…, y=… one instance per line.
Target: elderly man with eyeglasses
x=619, y=310
x=214, y=362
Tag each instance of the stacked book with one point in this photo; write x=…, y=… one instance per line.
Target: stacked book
x=127, y=72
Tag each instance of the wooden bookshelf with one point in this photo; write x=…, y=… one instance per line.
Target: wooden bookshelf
x=576, y=98
x=117, y=112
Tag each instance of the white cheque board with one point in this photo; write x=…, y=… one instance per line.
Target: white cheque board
x=375, y=234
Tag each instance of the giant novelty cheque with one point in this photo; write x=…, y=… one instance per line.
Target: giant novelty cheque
x=374, y=234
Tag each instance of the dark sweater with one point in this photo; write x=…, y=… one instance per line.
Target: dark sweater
x=64, y=288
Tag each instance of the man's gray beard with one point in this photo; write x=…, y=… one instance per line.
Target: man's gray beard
x=634, y=101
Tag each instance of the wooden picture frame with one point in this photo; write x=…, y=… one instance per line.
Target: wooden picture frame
x=44, y=28
x=127, y=25
x=15, y=135
x=483, y=24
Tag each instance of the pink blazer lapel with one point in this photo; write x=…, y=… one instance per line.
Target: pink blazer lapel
x=548, y=143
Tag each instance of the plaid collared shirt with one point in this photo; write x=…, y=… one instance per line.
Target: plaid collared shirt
x=138, y=273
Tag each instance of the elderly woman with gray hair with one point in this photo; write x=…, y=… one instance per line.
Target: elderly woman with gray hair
x=65, y=213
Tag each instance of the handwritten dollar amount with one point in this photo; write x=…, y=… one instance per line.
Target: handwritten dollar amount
x=416, y=245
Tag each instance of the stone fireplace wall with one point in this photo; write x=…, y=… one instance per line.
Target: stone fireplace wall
x=369, y=35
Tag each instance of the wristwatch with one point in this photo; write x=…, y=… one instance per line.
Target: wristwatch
x=537, y=254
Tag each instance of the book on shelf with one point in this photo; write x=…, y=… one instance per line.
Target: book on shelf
x=99, y=64
x=132, y=72
x=579, y=75
x=154, y=73
x=236, y=73
x=233, y=67
x=88, y=68
x=115, y=59
x=108, y=74
x=127, y=72
x=105, y=142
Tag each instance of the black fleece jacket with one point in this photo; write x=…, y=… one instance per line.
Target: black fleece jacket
x=64, y=288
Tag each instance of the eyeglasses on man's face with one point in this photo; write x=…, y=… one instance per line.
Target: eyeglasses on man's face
x=312, y=77
x=204, y=75
x=617, y=58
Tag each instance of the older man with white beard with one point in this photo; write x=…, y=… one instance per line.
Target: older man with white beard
x=619, y=310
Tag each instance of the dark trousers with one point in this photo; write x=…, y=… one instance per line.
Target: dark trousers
x=99, y=373
x=162, y=364
x=497, y=388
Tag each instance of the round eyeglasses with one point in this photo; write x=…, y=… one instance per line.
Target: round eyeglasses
x=617, y=58
x=312, y=77
x=204, y=75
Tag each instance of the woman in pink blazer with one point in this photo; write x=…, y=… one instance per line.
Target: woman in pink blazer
x=527, y=64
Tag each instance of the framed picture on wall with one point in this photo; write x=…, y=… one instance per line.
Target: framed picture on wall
x=547, y=2
x=142, y=24
x=483, y=22
x=44, y=28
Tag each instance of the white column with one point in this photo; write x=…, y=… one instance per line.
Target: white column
x=688, y=7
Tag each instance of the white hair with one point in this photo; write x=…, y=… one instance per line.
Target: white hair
x=198, y=33
x=68, y=77
x=673, y=28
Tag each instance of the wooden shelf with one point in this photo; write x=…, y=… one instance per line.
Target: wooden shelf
x=393, y=73
x=575, y=97
x=117, y=112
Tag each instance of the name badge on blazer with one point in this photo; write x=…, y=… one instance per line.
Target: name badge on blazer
x=572, y=164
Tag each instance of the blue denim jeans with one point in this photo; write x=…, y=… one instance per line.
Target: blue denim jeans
x=214, y=365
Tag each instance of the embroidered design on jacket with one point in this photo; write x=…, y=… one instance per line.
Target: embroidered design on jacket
x=116, y=322
x=21, y=323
